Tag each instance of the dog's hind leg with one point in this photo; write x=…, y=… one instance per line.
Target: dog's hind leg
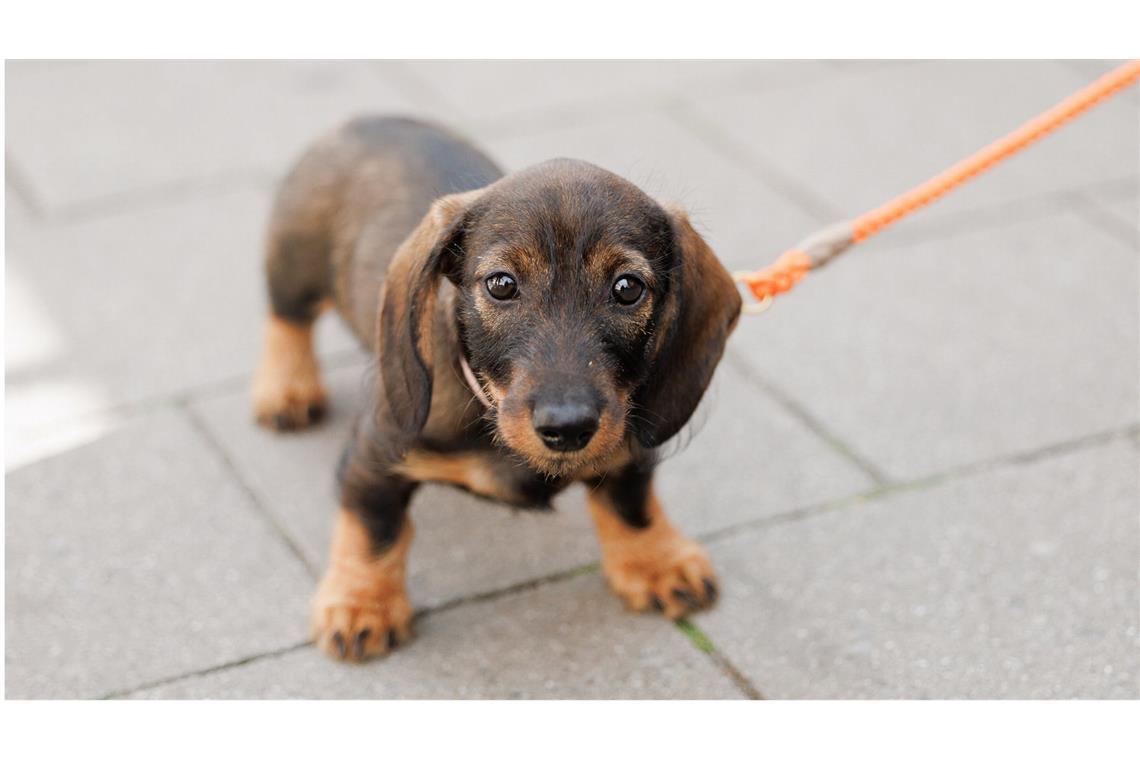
x=287, y=388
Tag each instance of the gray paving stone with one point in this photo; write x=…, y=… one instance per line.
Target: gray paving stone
x=466, y=546
x=1094, y=66
x=104, y=128
x=137, y=558
x=741, y=216
x=500, y=89
x=135, y=306
x=893, y=127
x=860, y=64
x=944, y=353
x=1019, y=582
x=1127, y=210
x=568, y=640
x=745, y=457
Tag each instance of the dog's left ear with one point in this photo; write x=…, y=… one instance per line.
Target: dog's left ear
x=702, y=308
x=407, y=305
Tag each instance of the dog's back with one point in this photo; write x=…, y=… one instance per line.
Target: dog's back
x=349, y=202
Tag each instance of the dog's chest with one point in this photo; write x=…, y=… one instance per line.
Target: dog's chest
x=487, y=471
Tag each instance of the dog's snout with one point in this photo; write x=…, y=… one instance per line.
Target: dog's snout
x=565, y=424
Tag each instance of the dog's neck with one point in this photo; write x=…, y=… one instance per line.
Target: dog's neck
x=473, y=382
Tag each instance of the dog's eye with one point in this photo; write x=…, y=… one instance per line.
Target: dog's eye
x=502, y=286
x=628, y=289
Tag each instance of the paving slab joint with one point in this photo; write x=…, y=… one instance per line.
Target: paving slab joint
x=254, y=499
x=704, y=644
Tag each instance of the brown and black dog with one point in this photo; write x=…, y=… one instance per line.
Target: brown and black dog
x=531, y=330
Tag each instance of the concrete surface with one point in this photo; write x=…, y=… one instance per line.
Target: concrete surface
x=918, y=474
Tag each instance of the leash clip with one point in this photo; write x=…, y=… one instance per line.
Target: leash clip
x=750, y=305
x=756, y=307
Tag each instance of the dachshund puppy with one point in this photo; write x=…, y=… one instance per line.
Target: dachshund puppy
x=531, y=330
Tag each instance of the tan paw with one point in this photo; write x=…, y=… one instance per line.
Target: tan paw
x=667, y=572
x=289, y=402
x=287, y=389
x=354, y=620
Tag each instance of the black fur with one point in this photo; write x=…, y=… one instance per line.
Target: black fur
x=628, y=491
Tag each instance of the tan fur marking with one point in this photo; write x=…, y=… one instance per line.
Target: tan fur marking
x=610, y=465
x=607, y=261
x=463, y=469
x=287, y=388
x=362, y=600
x=656, y=562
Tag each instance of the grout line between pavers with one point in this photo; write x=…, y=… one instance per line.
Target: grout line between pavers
x=1104, y=220
x=703, y=642
x=1028, y=456
x=1087, y=68
x=334, y=360
x=125, y=411
x=593, y=111
x=255, y=499
x=995, y=216
x=121, y=693
x=704, y=129
x=806, y=418
x=699, y=639
x=160, y=195
x=411, y=85
x=486, y=596
x=533, y=123
x=420, y=615
x=414, y=87
x=922, y=229
x=17, y=182
x=697, y=636
x=682, y=110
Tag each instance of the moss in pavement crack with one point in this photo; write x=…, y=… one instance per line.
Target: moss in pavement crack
x=697, y=636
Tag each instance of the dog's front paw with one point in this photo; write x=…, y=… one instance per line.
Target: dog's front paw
x=354, y=619
x=663, y=570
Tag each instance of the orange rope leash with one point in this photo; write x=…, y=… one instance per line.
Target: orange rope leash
x=793, y=265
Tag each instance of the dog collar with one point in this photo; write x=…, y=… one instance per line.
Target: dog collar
x=473, y=382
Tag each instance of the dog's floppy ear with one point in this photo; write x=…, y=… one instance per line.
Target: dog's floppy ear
x=407, y=305
x=701, y=310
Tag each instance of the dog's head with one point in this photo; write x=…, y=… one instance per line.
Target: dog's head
x=589, y=312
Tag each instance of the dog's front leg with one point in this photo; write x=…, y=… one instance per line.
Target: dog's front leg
x=646, y=560
x=361, y=607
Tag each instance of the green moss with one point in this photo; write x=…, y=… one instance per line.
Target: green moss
x=589, y=569
x=696, y=635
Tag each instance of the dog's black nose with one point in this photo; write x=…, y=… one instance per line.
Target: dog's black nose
x=565, y=426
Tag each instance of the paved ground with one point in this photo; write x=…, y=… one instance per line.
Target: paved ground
x=918, y=475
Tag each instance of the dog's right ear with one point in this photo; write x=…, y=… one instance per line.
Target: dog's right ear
x=407, y=304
